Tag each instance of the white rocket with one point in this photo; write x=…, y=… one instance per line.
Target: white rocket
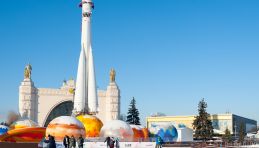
x=85, y=100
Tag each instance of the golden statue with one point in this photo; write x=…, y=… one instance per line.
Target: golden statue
x=71, y=90
x=27, y=71
x=112, y=75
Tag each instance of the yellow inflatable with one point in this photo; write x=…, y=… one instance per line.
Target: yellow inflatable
x=92, y=125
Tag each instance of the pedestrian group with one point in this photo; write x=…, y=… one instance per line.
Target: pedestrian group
x=68, y=142
x=112, y=142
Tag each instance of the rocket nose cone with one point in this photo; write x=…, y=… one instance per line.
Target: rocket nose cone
x=87, y=1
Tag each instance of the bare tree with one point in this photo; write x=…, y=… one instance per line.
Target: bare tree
x=12, y=117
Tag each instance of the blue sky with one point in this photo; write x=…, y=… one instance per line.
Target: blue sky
x=168, y=54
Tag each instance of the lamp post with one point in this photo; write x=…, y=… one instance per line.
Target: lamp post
x=235, y=126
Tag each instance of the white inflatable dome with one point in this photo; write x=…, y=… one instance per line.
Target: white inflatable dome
x=117, y=129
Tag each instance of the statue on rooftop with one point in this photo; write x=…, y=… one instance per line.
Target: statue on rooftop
x=112, y=75
x=27, y=71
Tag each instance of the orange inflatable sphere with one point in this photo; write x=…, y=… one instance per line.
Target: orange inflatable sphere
x=65, y=125
x=92, y=125
x=145, y=132
x=24, y=130
x=29, y=134
x=138, y=132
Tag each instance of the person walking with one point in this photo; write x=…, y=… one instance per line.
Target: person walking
x=159, y=142
x=50, y=141
x=117, y=142
x=108, y=140
x=112, y=141
x=80, y=141
x=66, y=141
x=46, y=140
x=72, y=142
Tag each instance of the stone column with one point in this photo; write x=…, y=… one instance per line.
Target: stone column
x=28, y=104
x=113, y=102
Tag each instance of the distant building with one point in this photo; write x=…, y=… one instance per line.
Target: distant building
x=219, y=121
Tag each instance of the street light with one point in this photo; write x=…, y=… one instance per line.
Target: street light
x=235, y=130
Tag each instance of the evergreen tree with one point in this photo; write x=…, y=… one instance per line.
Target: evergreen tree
x=202, y=125
x=227, y=136
x=241, y=133
x=133, y=114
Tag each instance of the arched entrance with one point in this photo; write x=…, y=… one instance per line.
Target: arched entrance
x=62, y=109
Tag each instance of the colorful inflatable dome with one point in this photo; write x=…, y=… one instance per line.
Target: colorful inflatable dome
x=137, y=130
x=27, y=134
x=145, y=132
x=65, y=125
x=165, y=130
x=3, y=129
x=23, y=123
x=118, y=129
x=24, y=130
x=92, y=125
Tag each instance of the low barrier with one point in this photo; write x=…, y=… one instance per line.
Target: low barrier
x=18, y=145
x=122, y=145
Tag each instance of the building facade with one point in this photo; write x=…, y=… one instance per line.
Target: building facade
x=44, y=104
x=219, y=122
